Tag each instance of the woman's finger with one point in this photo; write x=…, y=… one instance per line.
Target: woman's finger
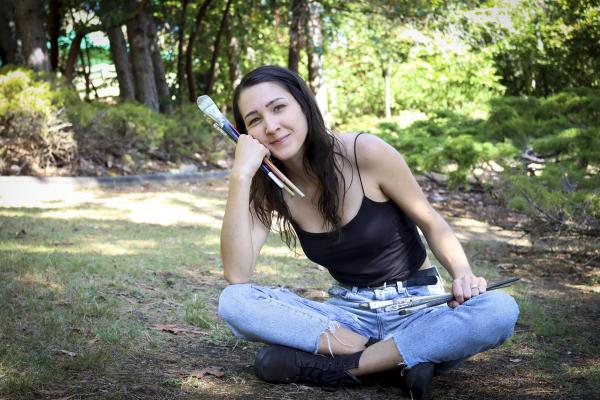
x=482, y=285
x=457, y=291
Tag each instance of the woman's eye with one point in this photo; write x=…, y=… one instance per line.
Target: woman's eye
x=279, y=107
x=252, y=121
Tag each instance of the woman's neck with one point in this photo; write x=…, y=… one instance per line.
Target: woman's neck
x=294, y=170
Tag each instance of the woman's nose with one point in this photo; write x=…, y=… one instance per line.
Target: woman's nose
x=271, y=125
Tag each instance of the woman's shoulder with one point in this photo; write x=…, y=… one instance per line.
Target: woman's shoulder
x=368, y=147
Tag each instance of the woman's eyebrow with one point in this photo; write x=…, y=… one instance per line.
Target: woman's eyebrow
x=266, y=105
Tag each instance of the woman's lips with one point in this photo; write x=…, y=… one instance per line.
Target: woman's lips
x=280, y=140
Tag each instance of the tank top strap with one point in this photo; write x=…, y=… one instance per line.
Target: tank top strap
x=356, y=161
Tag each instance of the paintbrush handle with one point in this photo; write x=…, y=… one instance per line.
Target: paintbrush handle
x=442, y=300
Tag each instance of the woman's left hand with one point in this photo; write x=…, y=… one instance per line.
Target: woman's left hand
x=465, y=287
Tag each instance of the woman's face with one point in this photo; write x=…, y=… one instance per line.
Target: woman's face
x=274, y=118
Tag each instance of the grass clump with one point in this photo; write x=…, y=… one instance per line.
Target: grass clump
x=195, y=312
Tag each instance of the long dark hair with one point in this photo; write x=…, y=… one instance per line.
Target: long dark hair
x=322, y=160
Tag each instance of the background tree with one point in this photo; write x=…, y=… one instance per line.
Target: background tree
x=189, y=57
x=297, y=24
x=143, y=69
x=216, y=47
x=32, y=34
x=54, y=23
x=162, y=88
x=10, y=45
x=180, y=51
x=314, y=35
x=120, y=57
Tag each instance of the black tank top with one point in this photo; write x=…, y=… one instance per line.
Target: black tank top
x=380, y=244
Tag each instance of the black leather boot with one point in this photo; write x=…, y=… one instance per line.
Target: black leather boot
x=279, y=364
x=415, y=381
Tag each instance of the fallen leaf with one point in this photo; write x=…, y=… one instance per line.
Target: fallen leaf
x=212, y=370
x=68, y=353
x=177, y=329
x=515, y=360
x=506, y=266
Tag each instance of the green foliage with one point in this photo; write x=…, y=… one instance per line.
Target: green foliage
x=191, y=134
x=26, y=99
x=428, y=70
x=196, y=313
x=539, y=50
x=445, y=142
x=444, y=76
x=43, y=122
x=561, y=132
x=34, y=132
x=128, y=126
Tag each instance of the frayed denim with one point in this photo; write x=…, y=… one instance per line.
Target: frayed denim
x=438, y=334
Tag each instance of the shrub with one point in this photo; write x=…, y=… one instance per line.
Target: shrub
x=35, y=134
x=561, y=133
x=46, y=129
x=192, y=135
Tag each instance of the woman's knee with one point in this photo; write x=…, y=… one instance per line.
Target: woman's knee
x=232, y=299
x=502, y=310
x=506, y=308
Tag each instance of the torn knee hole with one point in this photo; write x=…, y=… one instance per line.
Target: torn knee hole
x=330, y=332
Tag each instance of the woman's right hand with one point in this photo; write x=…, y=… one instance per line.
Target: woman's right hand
x=249, y=154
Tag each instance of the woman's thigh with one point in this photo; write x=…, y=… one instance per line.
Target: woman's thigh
x=276, y=315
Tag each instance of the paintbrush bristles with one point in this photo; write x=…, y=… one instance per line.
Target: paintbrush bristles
x=208, y=107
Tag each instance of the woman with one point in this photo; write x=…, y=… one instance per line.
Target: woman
x=358, y=220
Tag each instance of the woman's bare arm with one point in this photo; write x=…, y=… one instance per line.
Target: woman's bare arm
x=242, y=233
x=394, y=178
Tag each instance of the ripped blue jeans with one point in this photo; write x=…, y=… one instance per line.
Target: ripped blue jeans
x=438, y=334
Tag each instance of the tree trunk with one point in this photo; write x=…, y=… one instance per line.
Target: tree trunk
x=189, y=55
x=141, y=62
x=233, y=60
x=180, y=56
x=10, y=48
x=213, y=62
x=33, y=36
x=118, y=51
x=315, y=56
x=54, y=19
x=162, y=87
x=388, y=93
x=72, y=57
x=296, y=29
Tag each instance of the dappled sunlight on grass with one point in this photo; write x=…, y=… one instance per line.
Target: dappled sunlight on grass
x=117, y=248
x=26, y=195
x=161, y=208
x=468, y=229
x=269, y=250
x=40, y=280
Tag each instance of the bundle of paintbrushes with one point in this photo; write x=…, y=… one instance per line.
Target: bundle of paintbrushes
x=408, y=305
x=221, y=124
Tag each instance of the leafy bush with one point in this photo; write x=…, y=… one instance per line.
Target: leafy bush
x=46, y=129
x=549, y=148
x=35, y=135
x=192, y=135
x=445, y=142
